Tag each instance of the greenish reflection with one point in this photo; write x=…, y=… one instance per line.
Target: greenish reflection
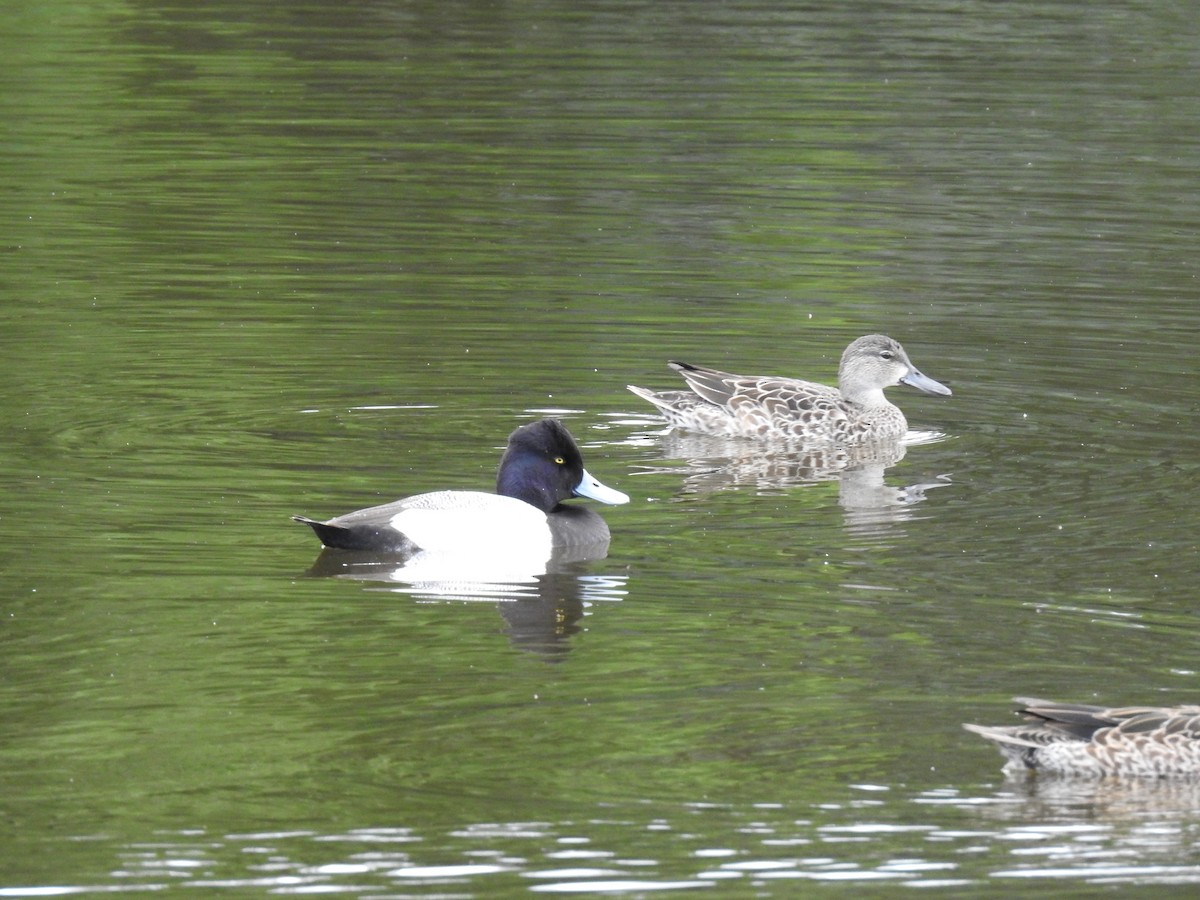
x=269, y=258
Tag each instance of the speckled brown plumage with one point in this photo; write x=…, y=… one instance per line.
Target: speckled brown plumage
x=720, y=403
x=1096, y=741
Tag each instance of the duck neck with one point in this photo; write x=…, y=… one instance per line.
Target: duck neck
x=870, y=398
x=509, y=483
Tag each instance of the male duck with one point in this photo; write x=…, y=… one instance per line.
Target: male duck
x=1094, y=741
x=541, y=467
x=763, y=406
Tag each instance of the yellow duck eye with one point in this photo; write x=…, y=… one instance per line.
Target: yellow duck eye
x=559, y=460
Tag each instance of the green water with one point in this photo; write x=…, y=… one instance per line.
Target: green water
x=292, y=258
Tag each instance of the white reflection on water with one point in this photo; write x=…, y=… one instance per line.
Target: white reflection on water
x=1113, y=874
x=541, y=603
x=619, y=886
x=1055, y=830
x=439, y=873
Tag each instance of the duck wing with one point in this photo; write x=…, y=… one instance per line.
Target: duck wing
x=722, y=388
x=1078, y=738
x=771, y=405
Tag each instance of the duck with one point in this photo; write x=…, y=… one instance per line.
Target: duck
x=1097, y=741
x=727, y=405
x=541, y=467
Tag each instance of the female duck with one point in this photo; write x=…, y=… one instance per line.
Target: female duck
x=1094, y=741
x=541, y=467
x=762, y=406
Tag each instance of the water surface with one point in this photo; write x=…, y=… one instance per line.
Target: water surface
x=277, y=260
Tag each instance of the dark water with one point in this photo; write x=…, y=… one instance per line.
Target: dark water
x=300, y=258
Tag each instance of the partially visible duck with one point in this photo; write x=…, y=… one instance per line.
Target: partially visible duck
x=1094, y=741
x=541, y=467
x=764, y=406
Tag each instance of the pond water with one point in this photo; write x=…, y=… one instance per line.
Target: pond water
x=271, y=259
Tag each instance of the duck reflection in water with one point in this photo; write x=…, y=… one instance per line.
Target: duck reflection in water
x=714, y=464
x=542, y=607
x=1026, y=799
